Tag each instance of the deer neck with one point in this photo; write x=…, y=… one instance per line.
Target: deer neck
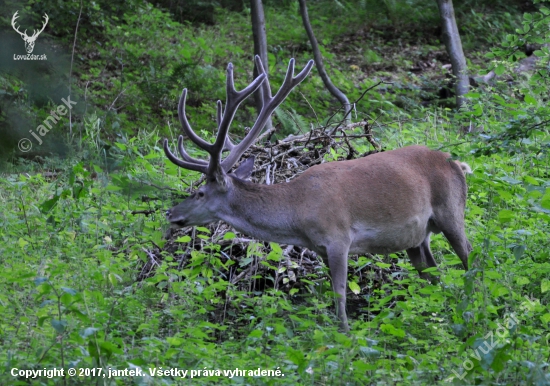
x=261, y=211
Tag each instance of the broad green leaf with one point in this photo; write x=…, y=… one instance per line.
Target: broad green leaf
x=22, y=243
x=519, y=250
x=59, y=325
x=369, y=352
x=256, y=334
x=229, y=236
x=505, y=215
x=529, y=99
x=499, y=69
x=183, y=239
x=88, y=331
x=70, y=291
x=531, y=180
x=544, y=285
x=390, y=329
x=354, y=287
x=522, y=280
x=174, y=341
x=40, y=280
x=48, y=205
x=545, y=203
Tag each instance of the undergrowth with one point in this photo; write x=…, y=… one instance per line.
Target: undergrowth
x=75, y=232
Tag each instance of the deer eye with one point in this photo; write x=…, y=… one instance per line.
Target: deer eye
x=200, y=194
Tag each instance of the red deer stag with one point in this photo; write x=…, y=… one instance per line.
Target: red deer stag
x=383, y=203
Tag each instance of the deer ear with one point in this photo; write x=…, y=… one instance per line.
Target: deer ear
x=244, y=171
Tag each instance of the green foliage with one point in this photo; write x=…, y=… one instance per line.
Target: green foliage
x=520, y=111
x=81, y=288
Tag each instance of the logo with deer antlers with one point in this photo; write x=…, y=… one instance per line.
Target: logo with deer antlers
x=29, y=40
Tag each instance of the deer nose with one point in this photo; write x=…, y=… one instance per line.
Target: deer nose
x=168, y=214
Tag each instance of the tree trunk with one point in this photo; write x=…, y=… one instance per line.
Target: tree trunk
x=260, y=47
x=319, y=63
x=451, y=38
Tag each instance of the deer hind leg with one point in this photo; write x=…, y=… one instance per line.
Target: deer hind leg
x=456, y=236
x=337, y=257
x=449, y=219
x=421, y=258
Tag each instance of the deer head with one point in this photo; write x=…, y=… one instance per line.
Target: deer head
x=203, y=206
x=29, y=40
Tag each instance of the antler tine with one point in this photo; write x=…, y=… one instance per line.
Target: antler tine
x=190, y=163
x=265, y=87
x=234, y=99
x=219, y=113
x=228, y=144
x=269, y=105
x=13, y=19
x=187, y=127
x=43, y=25
x=186, y=156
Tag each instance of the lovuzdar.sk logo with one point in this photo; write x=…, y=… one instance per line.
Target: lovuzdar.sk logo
x=29, y=40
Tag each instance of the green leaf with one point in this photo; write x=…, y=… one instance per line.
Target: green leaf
x=59, y=325
x=40, y=280
x=369, y=352
x=297, y=357
x=229, y=236
x=430, y=270
x=544, y=285
x=70, y=291
x=22, y=243
x=500, y=358
x=48, y=205
x=354, y=287
x=499, y=69
x=390, y=329
x=245, y=261
x=483, y=349
x=174, y=341
x=529, y=99
x=256, y=334
x=88, y=332
x=276, y=253
x=505, y=215
x=532, y=181
x=114, y=278
x=183, y=239
x=545, y=203
x=518, y=251
x=41, y=320
x=522, y=280
x=110, y=347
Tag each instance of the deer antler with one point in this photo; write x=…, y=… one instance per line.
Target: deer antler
x=269, y=104
x=46, y=18
x=15, y=17
x=24, y=34
x=224, y=117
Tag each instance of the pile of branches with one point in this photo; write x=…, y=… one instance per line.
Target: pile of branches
x=275, y=162
x=286, y=159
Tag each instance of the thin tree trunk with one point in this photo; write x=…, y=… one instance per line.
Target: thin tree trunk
x=451, y=38
x=260, y=47
x=319, y=62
